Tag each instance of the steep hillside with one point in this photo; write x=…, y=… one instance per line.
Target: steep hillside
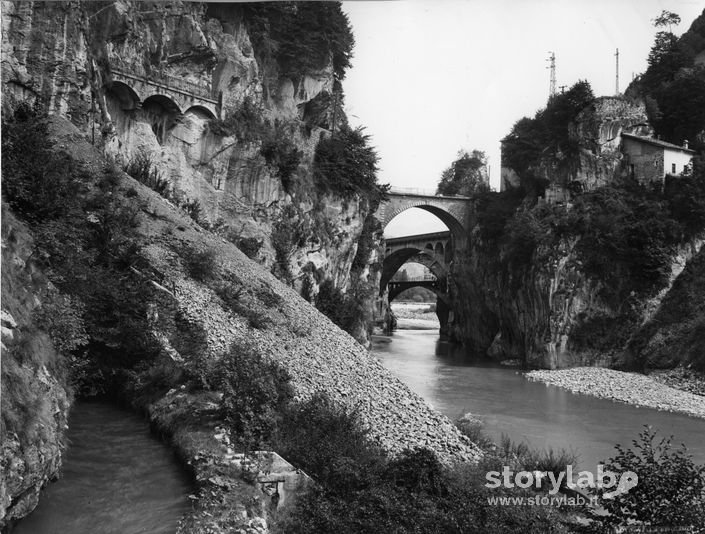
x=222, y=107
x=166, y=305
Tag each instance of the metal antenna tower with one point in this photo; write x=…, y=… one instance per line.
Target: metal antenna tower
x=616, y=76
x=552, y=86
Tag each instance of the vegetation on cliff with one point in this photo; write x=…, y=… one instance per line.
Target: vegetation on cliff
x=466, y=176
x=302, y=37
x=544, y=140
x=620, y=238
x=623, y=238
x=673, y=85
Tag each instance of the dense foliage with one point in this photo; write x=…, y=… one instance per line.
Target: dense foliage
x=670, y=491
x=466, y=175
x=360, y=490
x=345, y=309
x=255, y=392
x=674, y=88
x=544, y=140
x=84, y=234
x=345, y=165
x=623, y=235
x=302, y=37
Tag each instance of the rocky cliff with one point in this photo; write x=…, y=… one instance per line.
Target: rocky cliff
x=229, y=132
x=553, y=314
x=35, y=394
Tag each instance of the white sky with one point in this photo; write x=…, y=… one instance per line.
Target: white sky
x=431, y=77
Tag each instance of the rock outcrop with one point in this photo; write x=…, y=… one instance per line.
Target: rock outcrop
x=35, y=396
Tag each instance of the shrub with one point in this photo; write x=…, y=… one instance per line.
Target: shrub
x=369, y=240
x=670, y=491
x=281, y=153
x=340, y=308
x=234, y=294
x=246, y=123
x=472, y=427
x=317, y=436
x=250, y=246
x=255, y=392
x=200, y=264
x=38, y=183
x=142, y=168
x=61, y=316
x=193, y=209
x=307, y=288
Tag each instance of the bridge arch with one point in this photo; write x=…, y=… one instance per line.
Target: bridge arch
x=397, y=289
x=202, y=111
x=162, y=112
x=394, y=261
x=124, y=96
x=449, y=219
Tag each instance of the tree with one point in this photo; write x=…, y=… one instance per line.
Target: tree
x=670, y=490
x=667, y=18
x=466, y=175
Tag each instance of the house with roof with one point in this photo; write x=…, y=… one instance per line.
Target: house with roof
x=649, y=160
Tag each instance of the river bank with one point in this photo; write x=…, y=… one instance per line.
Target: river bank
x=631, y=388
x=416, y=316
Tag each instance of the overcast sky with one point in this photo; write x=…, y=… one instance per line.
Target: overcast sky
x=431, y=77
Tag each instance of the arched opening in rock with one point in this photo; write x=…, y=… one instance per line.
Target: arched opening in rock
x=163, y=114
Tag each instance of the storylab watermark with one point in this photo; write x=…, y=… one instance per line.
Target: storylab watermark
x=615, y=484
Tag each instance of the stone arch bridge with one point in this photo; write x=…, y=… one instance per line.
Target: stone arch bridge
x=433, y=250
x=453, y=211
x=134, y=88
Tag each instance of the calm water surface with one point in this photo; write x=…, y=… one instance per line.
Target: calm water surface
x=545, y=416
x=117, y=478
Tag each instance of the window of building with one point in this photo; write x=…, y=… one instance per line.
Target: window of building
x=673, y=168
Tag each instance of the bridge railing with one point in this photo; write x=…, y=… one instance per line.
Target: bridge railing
x=418, y=191
x=424, y=278
x=413, y=191
x=201, y=90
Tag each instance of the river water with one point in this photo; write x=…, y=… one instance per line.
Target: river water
x=117, y=478
x=508, y=403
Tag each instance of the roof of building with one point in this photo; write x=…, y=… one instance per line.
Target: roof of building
x=657, y=142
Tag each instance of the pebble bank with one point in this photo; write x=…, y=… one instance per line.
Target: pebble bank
x=630, y=388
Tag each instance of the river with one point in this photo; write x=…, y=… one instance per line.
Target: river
x=117, y=478
x=508, y=403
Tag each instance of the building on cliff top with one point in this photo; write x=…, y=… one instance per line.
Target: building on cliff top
x=649, y=160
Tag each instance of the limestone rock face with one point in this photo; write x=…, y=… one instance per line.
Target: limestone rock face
x=147, y=78
x=534, y=315
x=35, y=400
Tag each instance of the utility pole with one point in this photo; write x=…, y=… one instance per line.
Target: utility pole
x=616, y=75
x=552, y=86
